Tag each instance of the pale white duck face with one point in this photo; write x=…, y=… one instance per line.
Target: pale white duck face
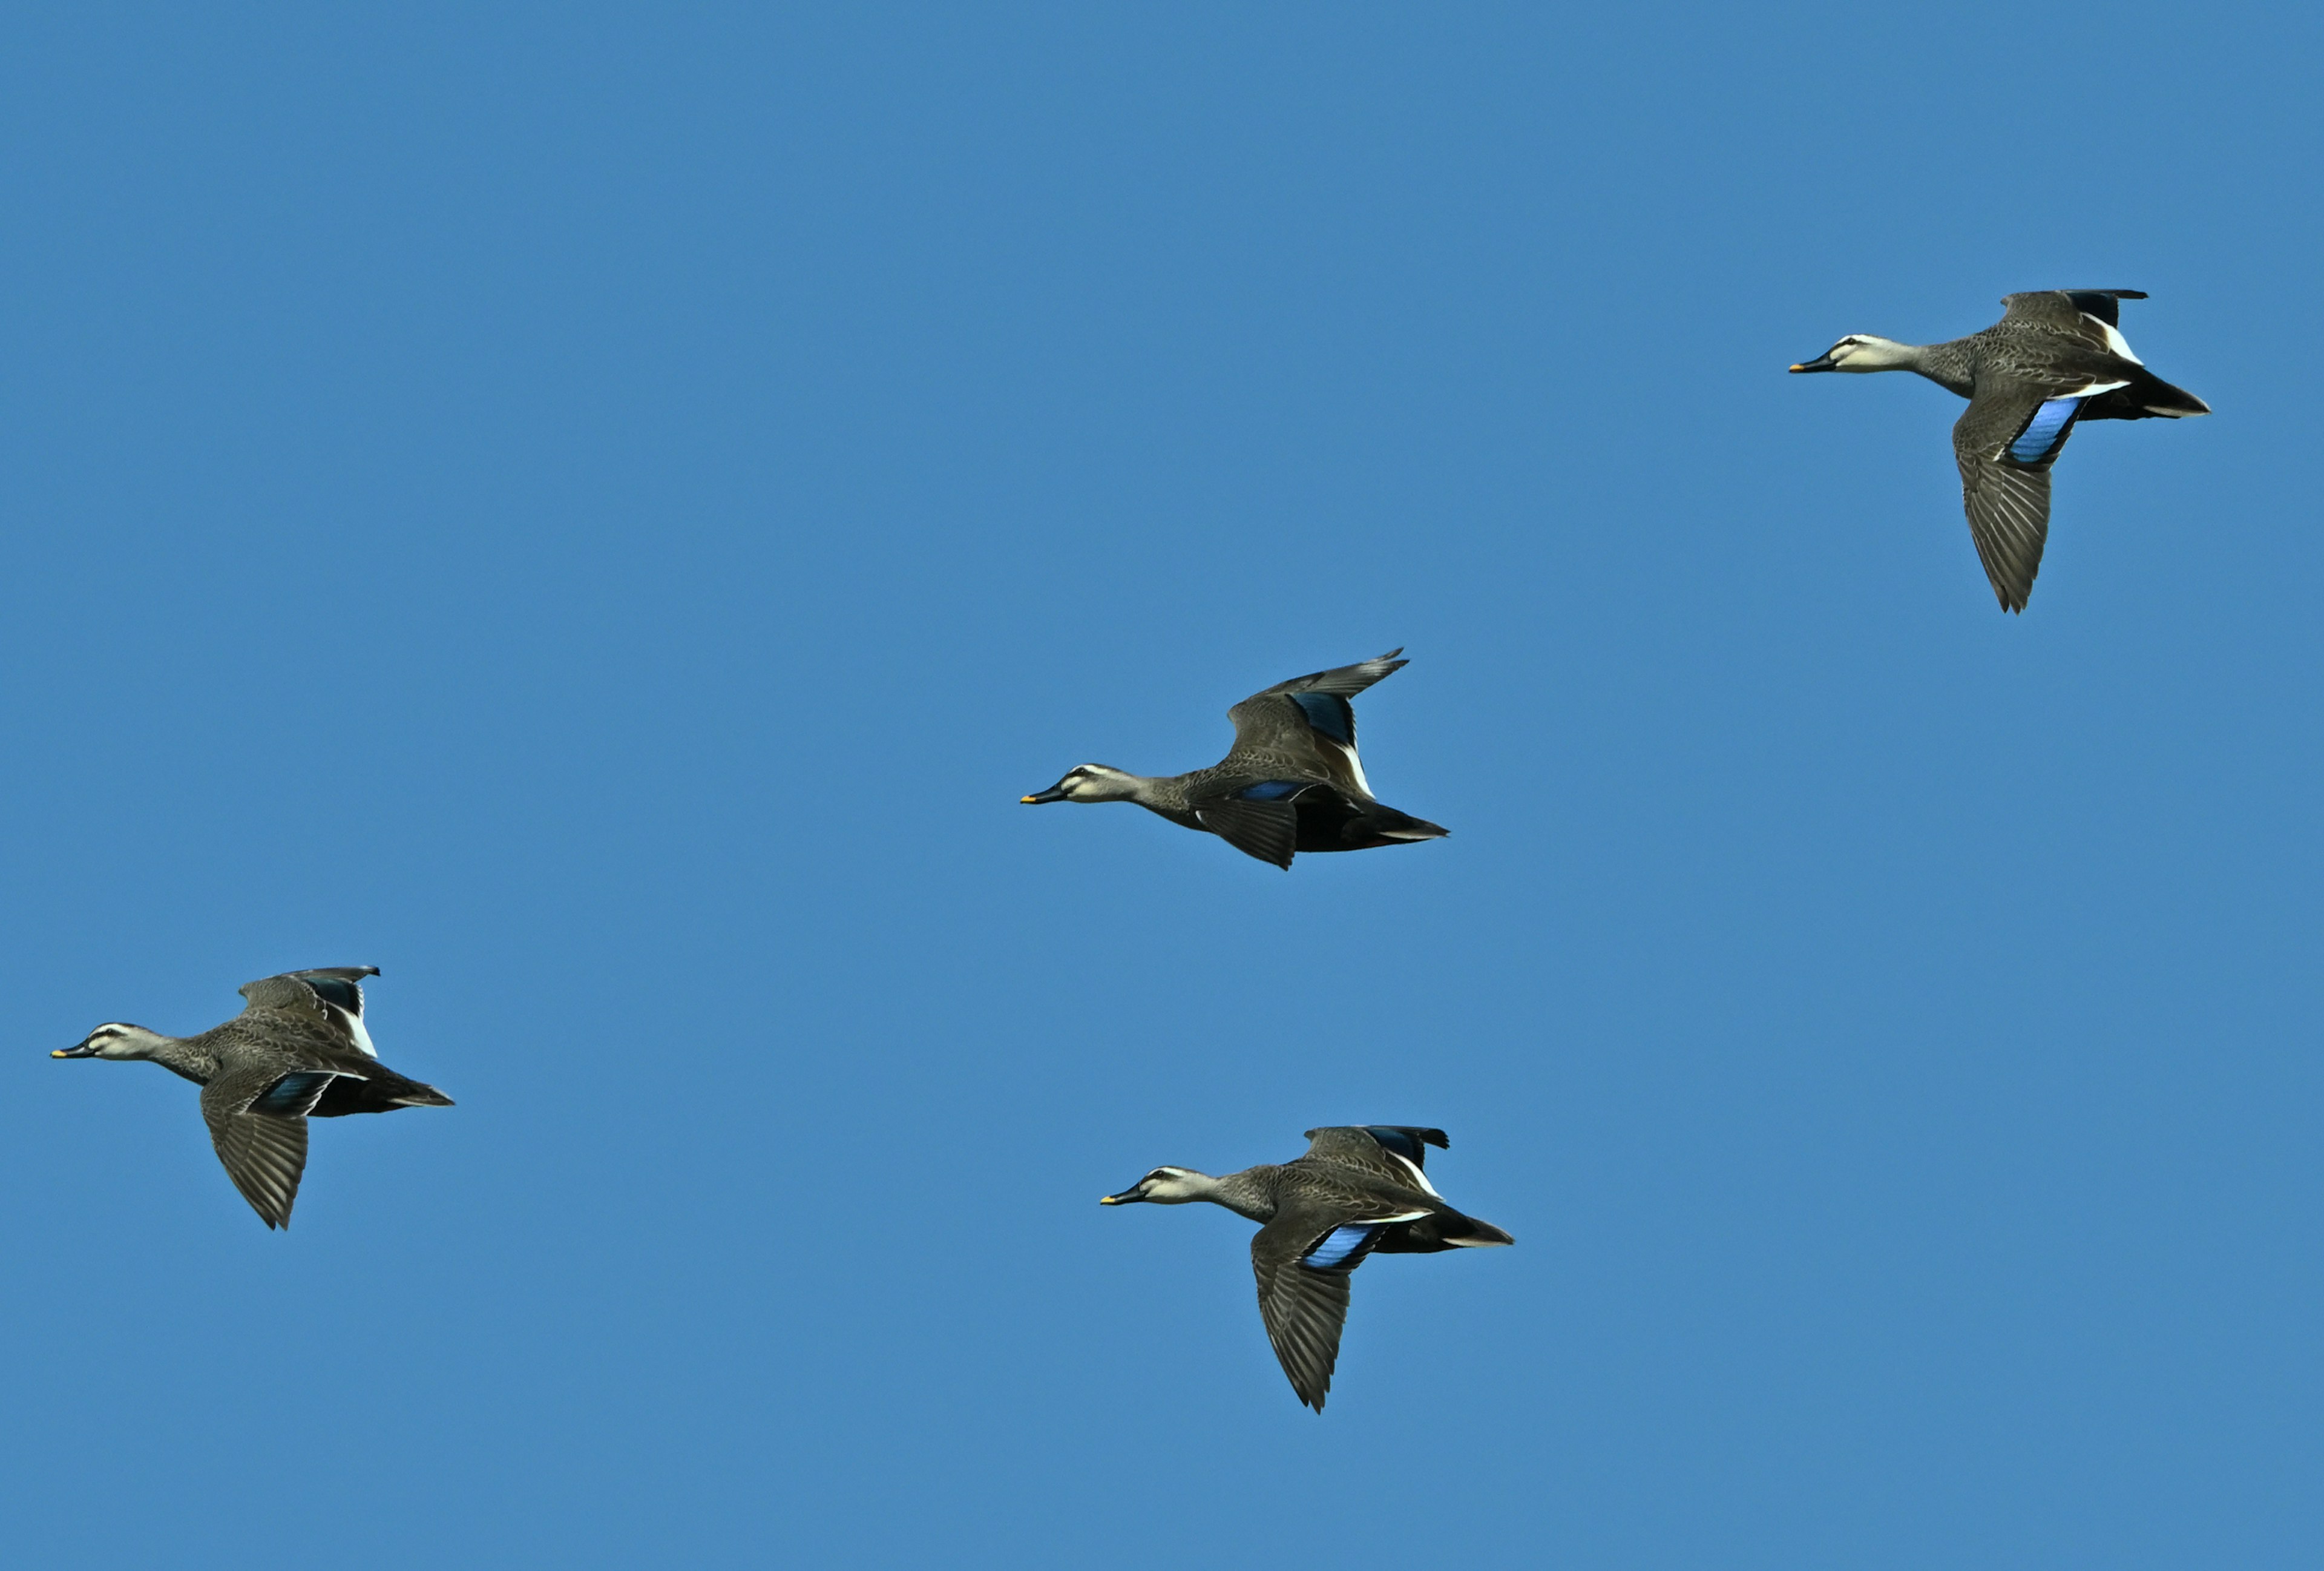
x=1863, y=351
x=1089, y=782
x=1163, y=1187
x=112, y=1040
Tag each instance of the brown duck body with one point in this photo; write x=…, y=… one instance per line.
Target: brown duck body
x=2056, y=358
x=298, y=1051
x=1291, y=782
x=1357, y=1190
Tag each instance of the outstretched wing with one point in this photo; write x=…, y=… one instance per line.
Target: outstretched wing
x=331, y=996
x=1310, y=718
x=2105, y=304
x=1392, y=1152
x=1266, y=828
x=1302, y=1259
x=2004, y=444
x=258, y=1122
x=2053, y=311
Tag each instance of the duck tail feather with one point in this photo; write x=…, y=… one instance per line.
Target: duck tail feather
x=2145, y=397
x=1391, y=825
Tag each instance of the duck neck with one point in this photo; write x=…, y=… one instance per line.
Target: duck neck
x=1246, y=1194
x=186, y=1056
x=1943, y=363
x=1158, y=793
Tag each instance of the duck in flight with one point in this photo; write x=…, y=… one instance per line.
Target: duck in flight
x=298, y=1051
x=1356, y=1192
x=2056, y=358
x=1291, y=782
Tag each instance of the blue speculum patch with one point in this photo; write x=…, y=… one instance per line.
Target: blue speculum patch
x=1271, y=790
x=1328, y=713
x=1396, y=1140
x=1335, y=1248
x=2045, y=431
x=289, y=1094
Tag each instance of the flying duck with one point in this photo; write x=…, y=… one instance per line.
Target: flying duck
x=1357, y=1191
x=2056, y=358
x=298, y=1051
x=1291, y=782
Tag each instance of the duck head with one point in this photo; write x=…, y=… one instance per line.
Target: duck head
x=1163, y=1187
x=114, y=1041
x=1864, y=352
x=1090, y=783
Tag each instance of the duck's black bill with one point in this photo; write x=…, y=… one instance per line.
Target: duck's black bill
x=1124, y=1198
x=1054, y=794
x=1821, y=362
x=78, y=1050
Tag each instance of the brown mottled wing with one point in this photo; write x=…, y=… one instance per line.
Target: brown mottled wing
x=1273, y=737
x=1309, y=724
x=1267, y=830
x=2053, y=311
x=330, y=996
x=1341, y=682
x=1363, y=1148
x=2007, y=502
x=1304, y=1309
x=264, y=1153
x=1271, y=718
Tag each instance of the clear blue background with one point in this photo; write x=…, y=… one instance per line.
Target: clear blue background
x=601, y=512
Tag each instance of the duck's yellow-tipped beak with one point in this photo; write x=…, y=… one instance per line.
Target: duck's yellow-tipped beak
x=1029, y=799
x=60, y=1053
x=1105, y=1200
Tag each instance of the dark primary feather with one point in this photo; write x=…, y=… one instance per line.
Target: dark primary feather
x=1304, y=1311
x=1346, y=681
x=2007, y=502
x=1305, y=1307
x=2008, y=508
x=2105, y=304
x=1408, y=1142
x=263, y=1153
x=1284, y=718
x=1268, y=830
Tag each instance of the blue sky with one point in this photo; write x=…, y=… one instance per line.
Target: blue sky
x=601, y=511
